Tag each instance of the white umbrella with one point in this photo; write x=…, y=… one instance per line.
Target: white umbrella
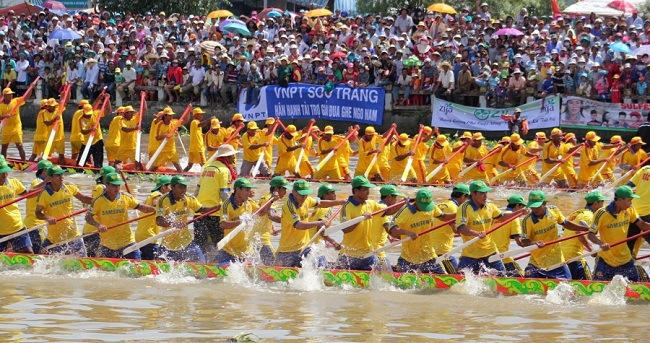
x=642, y=50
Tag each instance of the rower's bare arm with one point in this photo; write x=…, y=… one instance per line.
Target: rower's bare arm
x=42, y=216
x=592, y=237
x=146, y=208
x=301, y=225
x=229, y=224
x=398, y=232
x=447, y=216
x=91, y=220
x=465, y=230
x=208, y=209
x=584, y=242
x=643, y=225
x=574, y=226
x=471, y=160
x=84, y=198
x=507, y=215
x=330, y=203
x=274, y=217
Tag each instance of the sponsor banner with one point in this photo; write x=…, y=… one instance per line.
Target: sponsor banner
x=302, y=101
x=596, y=115
x=455, y=116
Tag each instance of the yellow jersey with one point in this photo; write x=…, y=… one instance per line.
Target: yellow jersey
x=10, y=217
x=251, y=155
x=30, y=206
x=41, y=133
x=378, y=235
x=573, y=247
x=59, y=204
x=236, y=140
x=180, y=210
x=127, y=139
x=333, y=163
x=238, y=245
x=13, y=125
x=552, y=151
x=197, y=144
x=587, y=155
x=265, y=225
x=503, y=236
x=356, y=243
x=478, y=219
x=164, y=129
x=214, y=140
x=633, y=158
x=422, y=249
x=89, y=123
x=153, y=142
x=364, y=159
x=147, y=227
x=98, y=190
x=613, y=228
x=443, y=238
x=544, y=229
x=75, y=127
x=398, y=167
x=316, y=215
x=641, y=181
x=114, y=132
x=291, y=238
x=110, y=212
x=215, y=178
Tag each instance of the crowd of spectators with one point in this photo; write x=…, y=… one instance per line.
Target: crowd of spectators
x=456, y=57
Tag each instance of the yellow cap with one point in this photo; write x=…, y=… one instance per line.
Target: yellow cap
x=51, y=102
x=442, y=140
x=592, y=137
x=467, y=135
x=569, y=136
x=427, y=130
x=370, y=131
x=292, y=130
x=617, y=139
x=7, y=91
x=478, y=136
x=168, y=111
x=252, y=125
x=120, y=110
x=237, y=116
x=515, y=139
x=43, y=102
x=556, y=132
x=329, y=130
x=129, y=109
x=505, y=139
x=83, y=102
x=215, y=124
x=197, y=110
x=88, y=109
x=269, y=121
x=637, y=140
x=404, y=139
x=539, y=135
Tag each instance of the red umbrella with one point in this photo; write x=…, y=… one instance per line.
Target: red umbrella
x=54, y=5
x=623, y=6
x=338, y=54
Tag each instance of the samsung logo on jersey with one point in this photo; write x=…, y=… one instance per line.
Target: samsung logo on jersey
x=546, y=229
x=110, y=212
x=421, y=223
x=60, y=202
x=482, y=221
x=618, y=225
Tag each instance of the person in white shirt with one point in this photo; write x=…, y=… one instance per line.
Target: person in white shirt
x=91, y=80
x=404, y=83
x=404, y=22
x=445, y=82
x=197, y=75
x=129, y=81
x=213, y=81
x=21, y=69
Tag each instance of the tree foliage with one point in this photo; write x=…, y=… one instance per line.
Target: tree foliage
x=168, y=6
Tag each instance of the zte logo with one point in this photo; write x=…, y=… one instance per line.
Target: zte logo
x=646, y=177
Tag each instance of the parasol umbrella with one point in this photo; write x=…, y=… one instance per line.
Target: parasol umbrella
x=412, y=61
x=442, y=8
x=210, y=45
x=509, y=32
x=264, y=13
x=620, y=47
x=220, y=14
x=338, y=54
x=623, y=6
x=63, y=34
x=237, y=28
x=54, y=5
x=319, y=12
x=274, y=14
x=230, y=21
x=642, y=50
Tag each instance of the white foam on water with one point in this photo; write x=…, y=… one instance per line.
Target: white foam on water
x=563, y=294
x=473, y=284
x=310, y=277
x=612, y=295
x=377, y=283
x=237, y=275
x=178, y=274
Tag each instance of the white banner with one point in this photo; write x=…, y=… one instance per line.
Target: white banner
x=455, y=116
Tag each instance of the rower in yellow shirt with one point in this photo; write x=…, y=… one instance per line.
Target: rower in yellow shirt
x=611, y=223
x=474, y=153
x=92, y=242
x=112, y=208
x=268, y=151
x=232, y=210
x=610, y=167
x=551, y=156
x=295, y=227
x=439, y=153
x=76, y=138
x=153, y=142
x=254, y=144
x=343, y=154
x=236, y=122
x=286, y=161
x=568, y=167
x=10, y=217
x=534, y=148
x=306, y=169
x=55, y=201
x=128, y=135
x=589, y=161
x=40, y=135
x=172, y=212
x=168, y=153
x=510, y=159
x=540, y=226
x=455, y=164
x=633, y=156
x=58, y=143
x=147, y=227
x=197, y=141
x=473, y=219
x=215, y=137
x=419, y=165
x=113, y=136
x=325, y=192
x=261, y=233
x=30, y=220
x=87, y=126
x=575, y=247
x=418, y=254
x=399, y=155
x=507, y=233
x=12, y=129
x=368, y=147
x=443, y=238
x=327, y=144
x=492, y=162
x=384, y=155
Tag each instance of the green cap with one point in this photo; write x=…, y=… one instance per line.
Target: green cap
x=114, y=179
x=243, y=182
x=4, y=167
x=54, y=170
x=595, y=196
x=424, y=199
x=325, y=188
x=105, y=170
x=161, y=181
x=536, y=199
x=302, y=187
x=361, y=181
x=516, y=199
x=43, y=164
x=479, y=186
x=280, y=181
x=461, y=188
x=179, y=180
x=389, y=190
x=622, y=192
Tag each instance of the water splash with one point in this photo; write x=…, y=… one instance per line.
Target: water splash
x=310, y=278
x=473, y=284
x=612, y=295
x=238, y=274
x=563, y=294
x=178, y=274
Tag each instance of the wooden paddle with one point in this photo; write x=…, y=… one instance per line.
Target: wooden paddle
x=28, y=93
x=409, y=163
x=321, y=164
x=500, y=175
x=256, y=168
x=381, y=147
x=22, y=232
x=171, y=135
x=359, y=219
x=530, y=248
x=138, y=134
x=442, y=165
x=232, y=136
x=475, y=239
x=630, y=172
x=96, y=232
x=473, y=165
x=304, y=141
x=322, y=228
x=613, y=154
x=22, y=197
x=65, y=96
x=408, y=238
x=165, y=233
x=91, y=136
x=557, y=165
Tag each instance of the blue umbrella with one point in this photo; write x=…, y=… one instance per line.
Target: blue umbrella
x=274, y=14
x=621, y=47
x=237, y=28
x=63, y=34
x=230, y=21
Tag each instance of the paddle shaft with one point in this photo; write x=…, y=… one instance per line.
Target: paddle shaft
x=269, y=141
x=22, y=232
x=232, y=136
x=442, y=165
x=557, y=165
x=322, y=228
x=409, y=163
x=64, y=99
x=171, y=134
x=91, y=136
x=408, y=238
x=15, y=107
x=22, y=197
x=304, y=141
x=630, y=172
x=338, y=146
x=603, y=166
x=381, y=147
x=138, y=134
x=359, y=219
x=473, y=165
x=531, y=248
x=496, y=178
x=225, y=240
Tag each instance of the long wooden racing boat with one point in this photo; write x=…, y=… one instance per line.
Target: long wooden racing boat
x=22, y=165
x=331, y=277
